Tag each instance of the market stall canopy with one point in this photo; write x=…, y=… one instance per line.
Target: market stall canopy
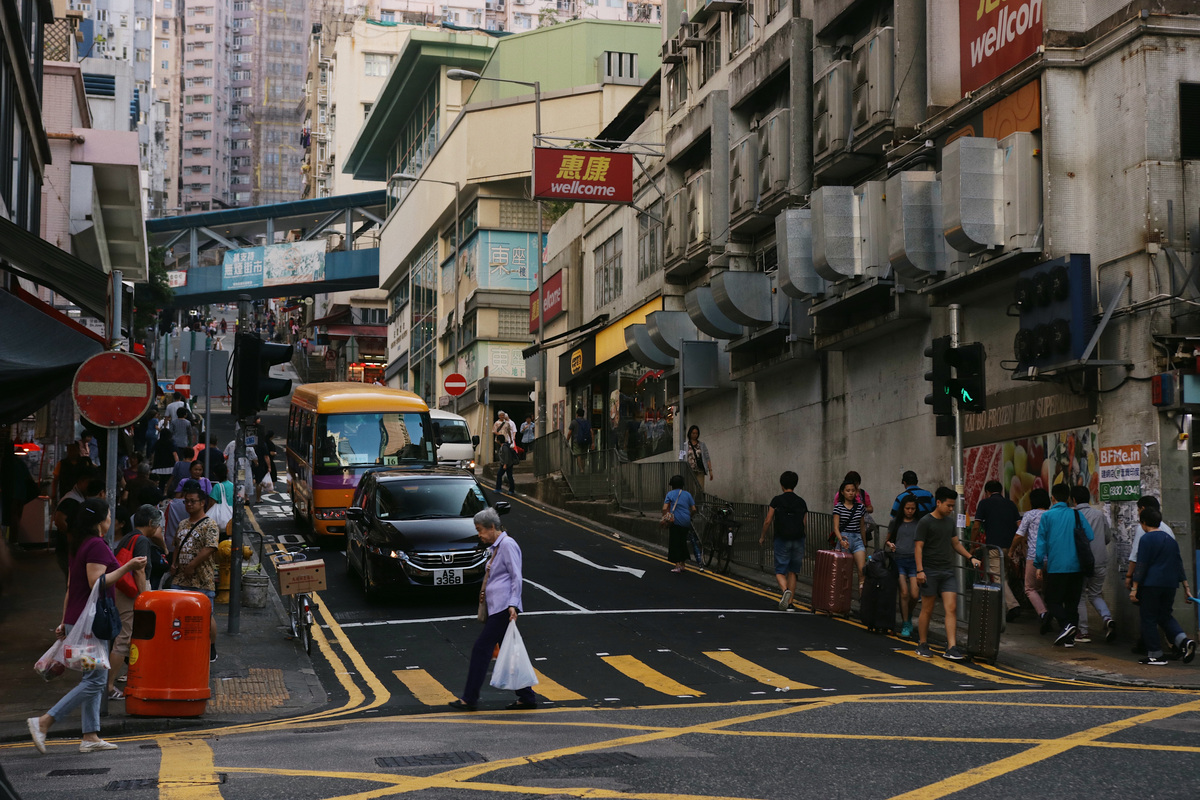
x=34, y=258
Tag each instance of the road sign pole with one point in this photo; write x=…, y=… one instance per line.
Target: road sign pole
x=110, y=465
x=207, y=412
x=958, y=478
x=239, y=496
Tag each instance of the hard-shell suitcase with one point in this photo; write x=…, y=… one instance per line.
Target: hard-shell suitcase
x=877, y=603
x=831, y=583
x=985, y=621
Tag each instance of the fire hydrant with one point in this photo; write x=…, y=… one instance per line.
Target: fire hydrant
x=224, y=558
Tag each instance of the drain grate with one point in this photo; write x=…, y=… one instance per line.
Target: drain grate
x=589, y=761
x=430, y=760
x=318, y=730
x=152, y=783
x=63, y=773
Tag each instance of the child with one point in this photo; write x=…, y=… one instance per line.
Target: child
x=902, y=538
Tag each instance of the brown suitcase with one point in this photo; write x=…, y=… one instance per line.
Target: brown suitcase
x=831, y=583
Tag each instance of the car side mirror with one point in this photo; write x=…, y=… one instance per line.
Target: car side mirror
x=475, y=441
x=437, y=434
x=355, y=513
x=502, y=506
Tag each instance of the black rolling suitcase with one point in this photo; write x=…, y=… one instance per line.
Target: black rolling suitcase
x=877, y=604
x=986, y=619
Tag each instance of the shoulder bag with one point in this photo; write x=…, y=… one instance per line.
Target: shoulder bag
x=668, y=517
x=106, y=625
x=1083, y=549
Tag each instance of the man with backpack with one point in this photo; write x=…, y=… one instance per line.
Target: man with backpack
x=789, y=512
x=580, y=436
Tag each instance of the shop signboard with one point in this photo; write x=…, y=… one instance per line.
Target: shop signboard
x=176, y=278
x=579, y=359
x=276, y=265
x=553, y=293
x=594, y=176
x=995, y=36
x=1121, y=473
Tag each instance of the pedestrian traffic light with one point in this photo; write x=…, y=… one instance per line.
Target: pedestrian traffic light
x=939, y=376
x=969, y=385
x=253, y=386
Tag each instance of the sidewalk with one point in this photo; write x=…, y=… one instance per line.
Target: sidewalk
x=1022, y=646
x=259, y=675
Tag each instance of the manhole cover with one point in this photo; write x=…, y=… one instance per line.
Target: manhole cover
x=62, y=773
x=589, y=761
x=430, y=760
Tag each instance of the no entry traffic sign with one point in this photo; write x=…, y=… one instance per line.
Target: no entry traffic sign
x=455, y=384
x=113, y=390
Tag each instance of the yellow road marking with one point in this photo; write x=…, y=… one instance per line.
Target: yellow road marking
x=424, y=687
x=648, y=676
x=754, y=671
x=186, y=771
x=553, y=690
x=854, y=668
x=962, y=669
x=986, y=772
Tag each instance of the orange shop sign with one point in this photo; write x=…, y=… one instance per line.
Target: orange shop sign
x=593, y=176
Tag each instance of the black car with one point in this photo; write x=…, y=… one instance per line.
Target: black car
x=416, y=528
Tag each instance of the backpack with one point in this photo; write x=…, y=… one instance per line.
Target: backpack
x=583, y=431
x=789, y=523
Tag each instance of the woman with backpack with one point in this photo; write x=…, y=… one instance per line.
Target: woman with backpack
x=579, y=435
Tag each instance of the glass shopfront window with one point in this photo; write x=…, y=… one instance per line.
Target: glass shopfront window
x=640, y=423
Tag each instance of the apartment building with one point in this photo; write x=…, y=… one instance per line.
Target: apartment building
x=506, y=15
x=167, y=111
x=204, y=148
x=279, y=41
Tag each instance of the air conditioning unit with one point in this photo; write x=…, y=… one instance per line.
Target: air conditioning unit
x=699, y=209
x=723, y=5
x=743, y=189
x=1022, y=190
x=873, y=63
x=831, y=109
x=774, y=152
x=675, y=226
x=689, y=34
x=672, y=53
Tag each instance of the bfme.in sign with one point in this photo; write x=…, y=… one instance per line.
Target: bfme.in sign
x=1120, y=473
x=595, y=176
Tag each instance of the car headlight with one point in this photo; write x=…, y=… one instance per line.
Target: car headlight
x=329, y=513
x=399, y=555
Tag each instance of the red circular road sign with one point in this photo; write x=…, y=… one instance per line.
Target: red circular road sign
x=455, y=384
x=183, y=385
x=113, y=390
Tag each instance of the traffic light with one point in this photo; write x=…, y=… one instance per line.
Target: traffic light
x=253, y=386
x=969, y=385
x=1057, y=311
x=939, y=376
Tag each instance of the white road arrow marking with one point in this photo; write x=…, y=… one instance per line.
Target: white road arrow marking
x=637, y=573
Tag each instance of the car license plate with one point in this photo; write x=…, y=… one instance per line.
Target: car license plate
x=447, y=577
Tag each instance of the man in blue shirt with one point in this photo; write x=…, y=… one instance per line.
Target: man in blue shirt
x=924, y=499
x=1058, y=564
x=1158, y=573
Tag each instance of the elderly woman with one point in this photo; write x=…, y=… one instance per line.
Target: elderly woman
x=91, y=557
x=501, y=593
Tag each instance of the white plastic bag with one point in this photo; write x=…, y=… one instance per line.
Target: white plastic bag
x=513, y=668
x=82, y=651
x=52, y=663
x=221, y=514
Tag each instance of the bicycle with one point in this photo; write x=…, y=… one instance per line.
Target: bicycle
x=299, y=605
x=717, y=529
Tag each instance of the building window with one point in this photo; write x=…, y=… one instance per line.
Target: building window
x=518, y=215
x=166, y=44
x=387, y=16
x=607, y=264
x=710, y=54
x=676, y=88
x=513, y=324
x=376, y=65
x=166, y=65
x=1189, y=121
x=650, y=241
x=741, y=27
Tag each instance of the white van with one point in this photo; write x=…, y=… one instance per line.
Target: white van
x=458, y=445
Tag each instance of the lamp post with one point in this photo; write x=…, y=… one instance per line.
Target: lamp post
x=467, y=75
x=403, y=176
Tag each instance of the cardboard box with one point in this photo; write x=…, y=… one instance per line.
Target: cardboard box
x=301, y=576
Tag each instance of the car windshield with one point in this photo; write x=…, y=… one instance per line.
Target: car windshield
x=454, y=431
x=426, y=499
x=359, y=441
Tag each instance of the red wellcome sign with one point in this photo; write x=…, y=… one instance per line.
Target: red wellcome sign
x=995, y=36
x=552, y=290
x=594, y=176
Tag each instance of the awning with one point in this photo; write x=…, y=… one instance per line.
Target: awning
x=41, y=262
x=32, y=374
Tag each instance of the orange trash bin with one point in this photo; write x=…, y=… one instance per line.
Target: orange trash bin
x=168, y=655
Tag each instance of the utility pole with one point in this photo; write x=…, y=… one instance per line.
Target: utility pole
x=239, y=497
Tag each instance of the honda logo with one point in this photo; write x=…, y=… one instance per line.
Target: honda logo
x=447, y=558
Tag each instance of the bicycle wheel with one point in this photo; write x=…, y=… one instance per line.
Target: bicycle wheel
x=306, y=637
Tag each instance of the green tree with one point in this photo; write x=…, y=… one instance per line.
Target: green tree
x=153, y=296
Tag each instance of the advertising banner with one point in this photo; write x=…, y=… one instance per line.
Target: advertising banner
x=594, y=176
x=176, y=278
x=553, y=292
x=277, y=265
x=1121, y=473
x=995, y=36
x=1033, y=462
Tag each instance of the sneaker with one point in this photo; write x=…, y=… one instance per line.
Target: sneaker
x=1067, y=635
x=923, y=650
x=1013, y=613
x=1189, y=651
x=954, y=654
x=786, y=600
x=1110, y=630
x=35, y=731
x=96, y=746
x=212, y=653
x=1157, y=661
x=1047, y=622
x=1083, y=638
x=906, y=631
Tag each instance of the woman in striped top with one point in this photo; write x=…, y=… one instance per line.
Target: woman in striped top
x=847, y=526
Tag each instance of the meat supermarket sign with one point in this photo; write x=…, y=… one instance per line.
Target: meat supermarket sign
x=593, y=176
x=995, y=36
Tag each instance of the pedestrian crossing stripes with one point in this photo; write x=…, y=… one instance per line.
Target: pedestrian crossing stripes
x=429, y=691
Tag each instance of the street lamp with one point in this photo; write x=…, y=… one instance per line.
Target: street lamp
x=467, y=75
x=404, y=176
